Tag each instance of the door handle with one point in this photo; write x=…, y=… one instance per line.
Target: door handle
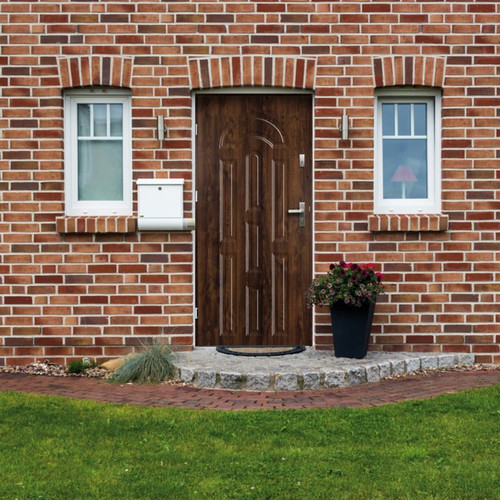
x=301, y=211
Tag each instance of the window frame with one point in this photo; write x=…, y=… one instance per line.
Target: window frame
x=431, y=204
x=74, y=206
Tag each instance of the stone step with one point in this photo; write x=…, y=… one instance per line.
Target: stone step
x=311, y=370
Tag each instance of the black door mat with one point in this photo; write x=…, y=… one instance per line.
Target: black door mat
x=256, y=351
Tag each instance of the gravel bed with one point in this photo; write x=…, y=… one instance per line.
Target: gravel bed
x=54, y=370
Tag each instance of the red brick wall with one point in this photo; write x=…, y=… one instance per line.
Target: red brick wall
x=72, y=288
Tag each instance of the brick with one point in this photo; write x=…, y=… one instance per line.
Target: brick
x=440, y=269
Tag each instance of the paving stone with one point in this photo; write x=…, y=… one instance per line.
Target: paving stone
x=446, y=360
x=412, y=365
x=186, y=374
x=372, y=373
x=206, y=378
x=388, y=391
x=231, y=380
x=398, y=367
x=385, y=370
x=335, y=378
x=356, y=375
x=312, y=380
x=258, y=381
x=429, y=363
x=465, y=359
x=286, y=382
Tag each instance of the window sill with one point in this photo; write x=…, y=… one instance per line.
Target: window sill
x=96, y=224
x=407, y=222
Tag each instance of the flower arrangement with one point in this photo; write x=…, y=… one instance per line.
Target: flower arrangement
x=349, y=283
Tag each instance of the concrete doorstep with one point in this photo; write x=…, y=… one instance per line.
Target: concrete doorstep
x=309, y=370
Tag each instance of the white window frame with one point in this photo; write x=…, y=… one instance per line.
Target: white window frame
x=431, y=204
x=72, y=98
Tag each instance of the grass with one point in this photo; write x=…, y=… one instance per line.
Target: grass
x=444, y=448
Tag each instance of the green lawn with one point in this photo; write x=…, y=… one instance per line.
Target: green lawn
x=448, y=447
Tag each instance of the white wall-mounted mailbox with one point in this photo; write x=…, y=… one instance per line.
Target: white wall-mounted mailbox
x=161, y=205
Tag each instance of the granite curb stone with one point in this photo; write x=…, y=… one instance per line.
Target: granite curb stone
x=206, y=378
x=258, y=382
x=310, y=370
x=446, y=361
x=372, y=373
x=412, y=365
x=335, y=378
x=232, y=380
x=286, y=382
x=312, y=380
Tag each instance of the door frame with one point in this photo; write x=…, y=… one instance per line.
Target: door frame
x=249, y=90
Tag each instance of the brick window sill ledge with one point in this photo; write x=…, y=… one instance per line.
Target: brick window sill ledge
x=407, y=222
x=96, y=224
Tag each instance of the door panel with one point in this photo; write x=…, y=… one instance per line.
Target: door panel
x=253, y=258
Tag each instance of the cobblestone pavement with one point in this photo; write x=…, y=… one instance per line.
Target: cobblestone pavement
x=412, y=387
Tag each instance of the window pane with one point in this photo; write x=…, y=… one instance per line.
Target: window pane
x=404, y=123
x=100, y=170
x=115, y=114
x=100, y=128
x=420, y=117
x=83, y=120
x=405, y=168
x=388, y=119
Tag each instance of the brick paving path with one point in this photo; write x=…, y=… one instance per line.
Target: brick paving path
x=387, y=391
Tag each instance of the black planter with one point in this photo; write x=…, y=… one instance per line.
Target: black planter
x=351, y=327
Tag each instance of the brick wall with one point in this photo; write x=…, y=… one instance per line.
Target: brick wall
x=94, y=287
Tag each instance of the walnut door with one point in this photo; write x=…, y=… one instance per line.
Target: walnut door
x=253, y=219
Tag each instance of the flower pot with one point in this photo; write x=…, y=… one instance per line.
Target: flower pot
x=351, y=327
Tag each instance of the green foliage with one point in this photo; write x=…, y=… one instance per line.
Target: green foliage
x=444, y=448
x=80, y=365
x=352, y=284
x=153, y=364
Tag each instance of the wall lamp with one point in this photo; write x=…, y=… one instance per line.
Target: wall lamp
x=344, y=127
x=160, y=125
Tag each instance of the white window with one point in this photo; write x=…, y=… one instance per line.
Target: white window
x=408, y=151
x=98, y=163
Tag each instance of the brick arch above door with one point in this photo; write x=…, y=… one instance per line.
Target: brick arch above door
x=428, y=71
x=253, y=71
x=86, y=71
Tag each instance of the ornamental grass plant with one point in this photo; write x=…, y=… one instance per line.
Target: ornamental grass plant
x=348, y=283
x=153, y=364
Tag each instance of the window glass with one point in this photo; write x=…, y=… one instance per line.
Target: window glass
x=100, y=172
x=404, y=154
x=100, y=156
x=116, y=119
x=405, y=168
x=84, y=120
x=100, y=120
x=404, y=119
x=420, y=119
x=388, y=119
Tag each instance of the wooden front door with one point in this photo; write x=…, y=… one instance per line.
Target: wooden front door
x=253, y=257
